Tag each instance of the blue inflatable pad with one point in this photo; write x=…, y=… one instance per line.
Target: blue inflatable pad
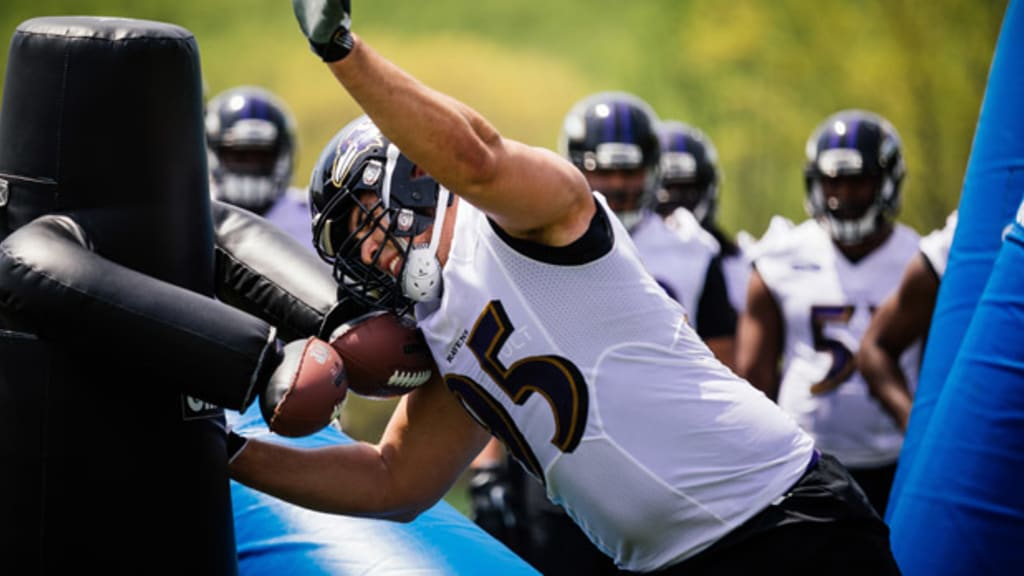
x=957, y=506
x=274, y=537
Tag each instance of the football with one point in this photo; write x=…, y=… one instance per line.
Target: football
x=384, y=355
x=305, y=390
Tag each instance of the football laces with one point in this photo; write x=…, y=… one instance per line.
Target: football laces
x=409, y=378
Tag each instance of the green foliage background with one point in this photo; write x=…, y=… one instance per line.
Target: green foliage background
x=756, y=75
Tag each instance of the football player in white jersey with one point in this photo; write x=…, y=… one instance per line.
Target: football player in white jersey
x=902, y=320
x=251, y=149
x=612, y=137
x=690, y=179
x=813, y=291
x=549, y=334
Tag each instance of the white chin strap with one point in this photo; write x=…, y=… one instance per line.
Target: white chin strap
x=421, y=273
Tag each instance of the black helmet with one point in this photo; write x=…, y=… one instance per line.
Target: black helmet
x=250, y=138
x=613, y=131
x=853, y=143
x=362, y=183
x=689, y=171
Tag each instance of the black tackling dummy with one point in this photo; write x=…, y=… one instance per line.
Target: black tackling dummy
x=130, y=307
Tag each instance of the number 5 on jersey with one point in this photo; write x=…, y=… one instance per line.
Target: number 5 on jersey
x=555, y=378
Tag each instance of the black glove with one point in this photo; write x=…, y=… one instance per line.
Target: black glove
x=492, y=498
x=326, y=23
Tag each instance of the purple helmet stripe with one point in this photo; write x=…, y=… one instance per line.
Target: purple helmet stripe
x=833, y=138
x=607, y=127
x=622, y=110
x=255, y=108
x=851, y=132
x=679, y=143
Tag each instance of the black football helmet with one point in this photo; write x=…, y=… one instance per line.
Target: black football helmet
x=250, y=136
x=361, y=184
x=689, y=172
x=854, y=143
x=614, y=131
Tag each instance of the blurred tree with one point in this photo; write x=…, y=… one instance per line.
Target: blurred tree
x=757, y=76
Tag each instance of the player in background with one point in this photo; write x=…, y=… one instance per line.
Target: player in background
x=691, y=179
x=813, y=291
x=251, y=151
x=549, y=334
x=612, y=137
x=902, y=320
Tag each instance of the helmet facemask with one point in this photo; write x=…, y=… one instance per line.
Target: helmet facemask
x=689, y=172
x=846, y=228
x=381, y=195
x=251, y=147
x=624, y=160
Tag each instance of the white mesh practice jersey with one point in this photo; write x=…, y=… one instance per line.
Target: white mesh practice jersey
x=935, y=246
x=826, y=302
x=595, y=382
x=737, y=268
x=676, y=251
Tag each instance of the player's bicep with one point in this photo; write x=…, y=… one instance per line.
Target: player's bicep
x=535, y=194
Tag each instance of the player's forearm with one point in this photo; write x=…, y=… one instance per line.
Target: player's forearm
x=886, y=382
x=445, y=137
x=896, y=400
x=351, y=479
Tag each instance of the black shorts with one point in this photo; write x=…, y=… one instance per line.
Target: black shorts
x=823, y=525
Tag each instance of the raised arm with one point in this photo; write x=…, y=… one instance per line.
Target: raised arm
x=530, y=192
